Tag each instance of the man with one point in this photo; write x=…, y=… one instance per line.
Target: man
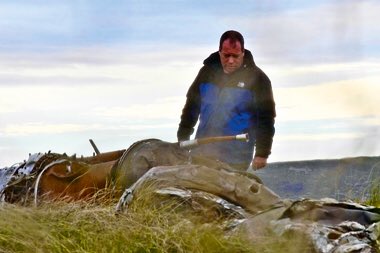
x=231, y=96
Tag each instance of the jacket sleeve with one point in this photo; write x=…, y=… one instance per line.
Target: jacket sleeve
x=190, y=111
x=266, y=113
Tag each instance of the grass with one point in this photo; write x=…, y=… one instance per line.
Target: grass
x=374, y=193
x=93, y=226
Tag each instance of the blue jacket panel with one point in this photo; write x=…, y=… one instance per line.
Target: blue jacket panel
x=226, y=111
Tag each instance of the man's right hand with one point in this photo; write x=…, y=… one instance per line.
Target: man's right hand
x=259, y=162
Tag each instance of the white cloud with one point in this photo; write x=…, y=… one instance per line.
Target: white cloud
x=100, y=66
x=351, y=69
x=36, y=128
x=300, y=74
x=373, y=121
x=164, y=109
x=341, y=30
x=43, y=128
x=337, y=100
x=318, y=136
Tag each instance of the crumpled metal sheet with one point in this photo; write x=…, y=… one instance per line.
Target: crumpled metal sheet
x=5, y=176
x=331, y=212
x=18, y=171
x=16, y=182
x=211, y=207
x=349, y=236
x=325, y=226
x=200, y=200
x=232, y=186
x=30, y=164
x=345, y=237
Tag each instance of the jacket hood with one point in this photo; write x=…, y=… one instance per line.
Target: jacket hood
x=213, y=60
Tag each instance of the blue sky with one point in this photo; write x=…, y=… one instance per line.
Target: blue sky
x=118, y=72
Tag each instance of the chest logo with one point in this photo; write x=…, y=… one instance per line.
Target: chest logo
x=241, y=84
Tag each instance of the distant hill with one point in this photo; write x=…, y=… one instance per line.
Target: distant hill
x=342, y=179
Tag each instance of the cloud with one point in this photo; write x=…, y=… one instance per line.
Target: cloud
x=37, y=128
x=44, y=128
x=337, y=100
x=100, y=65
x=328, y=148
x=318, y=136
x=163, y=109
x=298, y=74
x=328, y=32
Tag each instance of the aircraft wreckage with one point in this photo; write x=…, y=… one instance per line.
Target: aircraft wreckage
x=241, y=198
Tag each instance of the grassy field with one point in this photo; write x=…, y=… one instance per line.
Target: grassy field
x=90, y=227
x=93, y=226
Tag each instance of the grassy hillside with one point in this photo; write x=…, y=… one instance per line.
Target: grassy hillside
x=94, y=227
x=341, y=179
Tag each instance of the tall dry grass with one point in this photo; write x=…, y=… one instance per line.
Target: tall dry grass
x=148, y=225
x=92, y=226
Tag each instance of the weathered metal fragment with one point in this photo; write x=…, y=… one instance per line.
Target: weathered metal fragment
x=232, y=186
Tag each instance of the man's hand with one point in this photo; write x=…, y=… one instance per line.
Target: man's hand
x=259, y=162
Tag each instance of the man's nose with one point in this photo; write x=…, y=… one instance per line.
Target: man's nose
x=231, y=59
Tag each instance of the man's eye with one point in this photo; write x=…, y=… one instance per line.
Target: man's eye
x=231, y=55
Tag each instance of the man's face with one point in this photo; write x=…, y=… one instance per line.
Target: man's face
x=231, y=56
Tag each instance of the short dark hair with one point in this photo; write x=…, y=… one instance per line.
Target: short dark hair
x=233, y=36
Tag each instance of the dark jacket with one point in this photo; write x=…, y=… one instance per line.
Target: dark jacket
x=241, y=102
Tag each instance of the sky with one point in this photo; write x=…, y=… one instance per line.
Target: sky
x=118, y=72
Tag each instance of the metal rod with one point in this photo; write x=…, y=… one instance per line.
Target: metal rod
x=207, y=140
x=94, y=147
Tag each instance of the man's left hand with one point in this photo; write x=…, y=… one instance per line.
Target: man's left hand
x=259, y=162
